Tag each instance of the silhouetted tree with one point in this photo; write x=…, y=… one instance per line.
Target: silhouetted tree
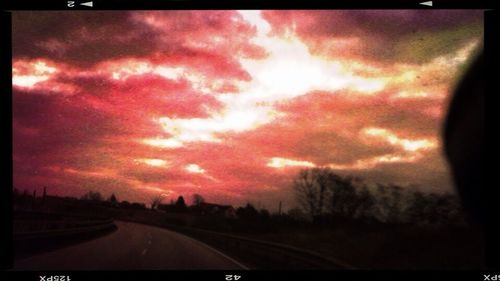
x=344, y=201
x=434, y=208
x=450, y=210
x=44, y=194
x=390, y=202
x=248, y=212
x=180, y=204
x=92, y=196
x=311, y=188
x=156, y=201
x=367, y=203
x=348, y=197
x=264, y=214
x=415, y=212
x=443, y=209
x=306, y=192
x=198, y=199
x=112, y=199
x=324, y=177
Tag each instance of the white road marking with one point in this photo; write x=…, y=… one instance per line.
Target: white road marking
x=242, y=266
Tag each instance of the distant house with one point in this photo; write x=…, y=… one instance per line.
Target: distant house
x=133, y=205
x=138, y=206
x=226, y=211
x=55, y=200
x=169, y=208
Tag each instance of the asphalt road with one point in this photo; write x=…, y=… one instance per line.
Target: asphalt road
x=133, y=247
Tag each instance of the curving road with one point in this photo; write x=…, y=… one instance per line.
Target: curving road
x=133, y=247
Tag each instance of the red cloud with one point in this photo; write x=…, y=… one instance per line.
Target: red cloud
x=84, y=102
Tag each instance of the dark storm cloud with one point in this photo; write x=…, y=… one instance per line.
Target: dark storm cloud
x=59, y=121
x=180, y=38
x=398, y=35
x=83, y=38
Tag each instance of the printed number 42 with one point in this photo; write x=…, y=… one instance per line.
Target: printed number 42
x=233, y=277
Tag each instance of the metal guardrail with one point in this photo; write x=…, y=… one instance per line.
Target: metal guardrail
x=280, y=255
x=82, y=227
x=289, y=256
x=22, y=226
x=34, y=236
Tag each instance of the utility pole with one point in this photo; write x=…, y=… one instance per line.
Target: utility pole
x=44, y=195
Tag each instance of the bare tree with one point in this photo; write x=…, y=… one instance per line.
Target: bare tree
x=306, y=192
x=389, y=202
x=324, y=177
x=156, y=201
x=311, y=189
x=344, y=199
x=367, y=203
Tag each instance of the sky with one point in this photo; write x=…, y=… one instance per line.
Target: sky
x=233, y=104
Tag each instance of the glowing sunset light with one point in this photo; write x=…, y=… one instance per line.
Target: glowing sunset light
x=153, y=162
x=406, y=144
x=123, y=69
x=193, y=168
x=163, y=143
x=289, y=71
x=277, y=162
x=27, y=74
x=203, y=129
x=254, y=17
x=407, y=94
x=370, y=163
x=232, y=104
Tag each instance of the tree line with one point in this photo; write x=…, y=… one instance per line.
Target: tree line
x=324, y=195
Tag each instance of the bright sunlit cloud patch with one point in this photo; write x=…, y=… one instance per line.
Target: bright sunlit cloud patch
x=162, y=143
x=278, y=162
x=369, y=163
x=393, y=139
x=153, y=162
x=288, y=71
x=194, y=168
x=27, y=74
x=204, y=129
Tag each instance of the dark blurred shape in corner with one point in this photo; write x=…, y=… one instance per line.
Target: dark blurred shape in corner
x=464, y=140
